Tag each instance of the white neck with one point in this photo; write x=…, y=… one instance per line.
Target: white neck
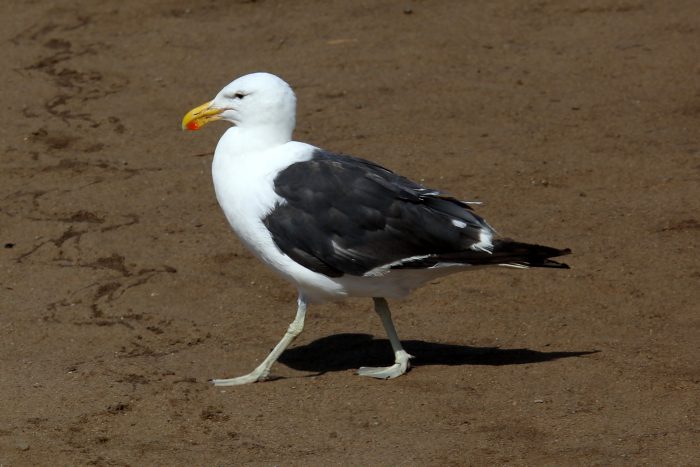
x=242, y=139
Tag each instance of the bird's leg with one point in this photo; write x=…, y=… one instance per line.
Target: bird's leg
x=263, y=370
x=401, y=364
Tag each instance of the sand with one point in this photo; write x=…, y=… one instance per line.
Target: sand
x=123, y=290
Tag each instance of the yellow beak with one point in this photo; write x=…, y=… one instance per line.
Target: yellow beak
x=200, y=116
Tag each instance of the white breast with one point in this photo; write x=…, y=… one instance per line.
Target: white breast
x=244, y=186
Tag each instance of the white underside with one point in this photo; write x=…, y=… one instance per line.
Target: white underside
x=243, y=181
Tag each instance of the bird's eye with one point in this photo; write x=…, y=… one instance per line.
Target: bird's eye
x=239, y=95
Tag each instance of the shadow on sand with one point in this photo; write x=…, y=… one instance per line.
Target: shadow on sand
x=350, y=351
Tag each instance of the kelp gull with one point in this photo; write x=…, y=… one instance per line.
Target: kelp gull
x=337, y=226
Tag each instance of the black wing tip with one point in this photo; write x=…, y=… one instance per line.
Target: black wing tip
x=531, y=255
x=548, y=263
x=553, y=264
x=542, y=255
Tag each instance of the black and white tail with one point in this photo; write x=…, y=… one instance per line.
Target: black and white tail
x=503, y=252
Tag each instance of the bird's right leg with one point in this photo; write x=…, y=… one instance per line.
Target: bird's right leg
x=263, y=370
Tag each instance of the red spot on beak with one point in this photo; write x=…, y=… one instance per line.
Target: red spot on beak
x=193, y=125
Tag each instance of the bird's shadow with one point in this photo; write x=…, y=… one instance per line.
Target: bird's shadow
x=349, y=351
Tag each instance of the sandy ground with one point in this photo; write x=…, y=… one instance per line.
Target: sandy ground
x=122, y=290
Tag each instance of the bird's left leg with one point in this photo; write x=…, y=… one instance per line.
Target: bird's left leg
x=263, y=370
x=402, y=363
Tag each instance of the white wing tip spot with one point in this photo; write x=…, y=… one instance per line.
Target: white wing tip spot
x=484, y=243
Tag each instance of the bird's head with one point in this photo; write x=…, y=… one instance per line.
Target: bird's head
x=257, y=100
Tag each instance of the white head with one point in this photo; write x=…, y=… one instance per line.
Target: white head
x=258, y=101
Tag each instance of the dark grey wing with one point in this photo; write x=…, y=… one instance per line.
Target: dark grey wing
x=344, y=215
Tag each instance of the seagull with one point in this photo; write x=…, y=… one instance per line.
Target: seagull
x=337, y=226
